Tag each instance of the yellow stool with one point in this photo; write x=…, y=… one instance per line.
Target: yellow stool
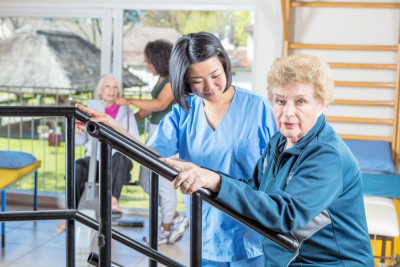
x=10, y=176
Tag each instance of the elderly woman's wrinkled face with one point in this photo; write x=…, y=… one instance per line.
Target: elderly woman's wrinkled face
x=296, y=110
x=109, y=89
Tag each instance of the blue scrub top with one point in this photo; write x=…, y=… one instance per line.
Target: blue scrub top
x=233, y=148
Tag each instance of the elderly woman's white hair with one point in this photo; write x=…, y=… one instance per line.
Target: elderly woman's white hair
x=97, y=92
x=302, y=68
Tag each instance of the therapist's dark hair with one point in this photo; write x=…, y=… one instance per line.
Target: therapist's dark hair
x=190, y=49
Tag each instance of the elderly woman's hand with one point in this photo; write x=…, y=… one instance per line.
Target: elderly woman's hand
x=191, y=177
x=97, y=116
x=121, y=101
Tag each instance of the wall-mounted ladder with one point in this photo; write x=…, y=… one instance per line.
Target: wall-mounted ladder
x=395, y=138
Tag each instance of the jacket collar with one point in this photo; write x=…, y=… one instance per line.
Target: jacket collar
x=279, y=144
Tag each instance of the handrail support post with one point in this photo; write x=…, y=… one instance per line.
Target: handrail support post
x=105, y=230
x=70, y=188
x=196, y=231
x=153, y=217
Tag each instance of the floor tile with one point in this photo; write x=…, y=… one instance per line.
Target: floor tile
x=12, y=252
x=13, y=264
x=33, y=244
x=44, y=256
x=47, y=226
x=128, y=261
x=59, y=241
x=29, y=237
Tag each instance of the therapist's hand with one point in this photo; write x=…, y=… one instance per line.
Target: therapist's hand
x=191, y=177
x=121, y=101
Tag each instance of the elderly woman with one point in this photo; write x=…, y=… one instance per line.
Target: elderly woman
x=108, y=90
x=307, y=184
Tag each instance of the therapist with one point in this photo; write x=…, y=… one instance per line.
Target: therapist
x=307, y=184
x=215, y=125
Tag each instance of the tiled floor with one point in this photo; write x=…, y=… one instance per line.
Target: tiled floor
x=34, y=244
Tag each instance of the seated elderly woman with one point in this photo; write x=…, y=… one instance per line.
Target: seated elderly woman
x=307, y=184
x=108, y=90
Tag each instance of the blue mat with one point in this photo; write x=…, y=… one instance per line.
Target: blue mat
x=381, y=185
x=372, y=156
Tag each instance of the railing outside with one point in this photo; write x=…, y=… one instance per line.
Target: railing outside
x=44, y=137
x=111, y=139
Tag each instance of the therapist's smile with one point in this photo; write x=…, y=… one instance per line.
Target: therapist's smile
x=212, y=93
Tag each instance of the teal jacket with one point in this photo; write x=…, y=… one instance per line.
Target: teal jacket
x=311, y=192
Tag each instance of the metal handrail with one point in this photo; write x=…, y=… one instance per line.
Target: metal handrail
x=151, y=160
x=114, y=139
x=71, y=214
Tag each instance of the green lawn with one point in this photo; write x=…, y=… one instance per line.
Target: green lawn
x=52, y=171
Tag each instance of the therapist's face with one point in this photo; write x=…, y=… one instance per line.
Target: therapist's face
x=207, y=79
x=296, y=110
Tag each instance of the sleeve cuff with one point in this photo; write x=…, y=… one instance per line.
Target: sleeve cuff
x=223, y=191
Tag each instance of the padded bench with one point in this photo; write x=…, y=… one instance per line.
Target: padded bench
x=382, y=224
x=10, y=176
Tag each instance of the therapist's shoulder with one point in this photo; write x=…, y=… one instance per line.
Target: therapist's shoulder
x=179, y=112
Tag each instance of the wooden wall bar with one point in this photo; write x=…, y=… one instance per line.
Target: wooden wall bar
x=363, y=66
x=363, y=103
x=359, y=120
x=365, y=84
x=365, y=137
x=347, y=5
x=344, y=47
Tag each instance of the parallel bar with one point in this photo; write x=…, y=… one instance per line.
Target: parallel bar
x=365, y=84
x=359, y=120
x=344, y=47
x=365, y=137
x=347, y=5
x=153, y=219
x=363, y=66
x=150, y=160
x=104, y=236
x=363, y=103
x=41, y=215
x=70, y=187
x=90, y=222
x=196, y=230
x=37, y=111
